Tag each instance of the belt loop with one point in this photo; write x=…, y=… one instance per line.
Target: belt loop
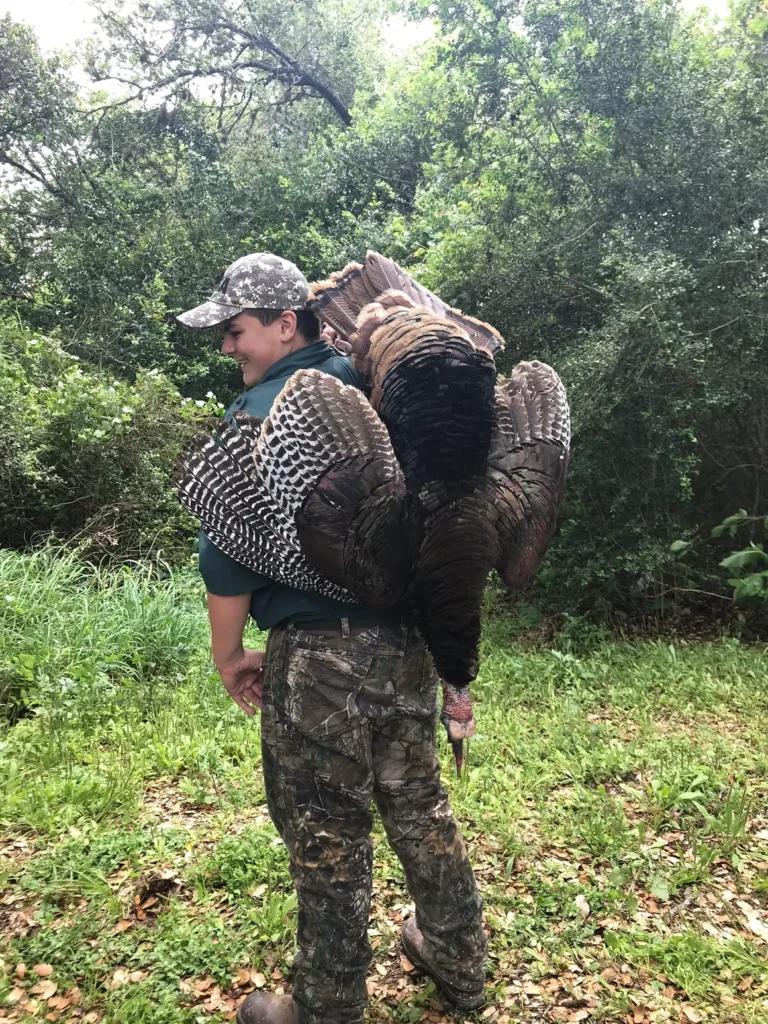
x=345, y=628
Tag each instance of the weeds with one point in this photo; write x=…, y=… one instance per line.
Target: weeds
x=613, y=804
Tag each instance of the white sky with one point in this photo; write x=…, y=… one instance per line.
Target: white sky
x=60, y=23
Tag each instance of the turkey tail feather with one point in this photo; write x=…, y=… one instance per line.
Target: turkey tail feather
x=458, y=551
x=339, y=300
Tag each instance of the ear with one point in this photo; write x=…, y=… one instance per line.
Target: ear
x=288, y=326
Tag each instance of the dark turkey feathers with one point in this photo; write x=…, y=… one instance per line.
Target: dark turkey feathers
x=528, y=463
x=340, y=299
x=409, y=497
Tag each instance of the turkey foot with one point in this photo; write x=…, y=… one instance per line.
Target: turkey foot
x=458, y=719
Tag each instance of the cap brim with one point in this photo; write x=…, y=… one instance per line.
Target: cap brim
x=209, y=314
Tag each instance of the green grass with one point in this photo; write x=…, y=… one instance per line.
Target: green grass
x=614, y=805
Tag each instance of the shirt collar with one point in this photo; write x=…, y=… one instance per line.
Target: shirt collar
x=303, y=358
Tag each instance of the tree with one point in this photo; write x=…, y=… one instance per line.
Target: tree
x=247, y=59
x=599, y=196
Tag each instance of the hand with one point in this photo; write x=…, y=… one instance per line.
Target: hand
x=329, y=335
x=243, y=679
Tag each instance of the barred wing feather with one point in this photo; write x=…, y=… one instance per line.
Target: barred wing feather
x=528, y=464
x=311, y=498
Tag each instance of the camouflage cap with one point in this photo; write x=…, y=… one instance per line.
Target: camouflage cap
x=260, y=280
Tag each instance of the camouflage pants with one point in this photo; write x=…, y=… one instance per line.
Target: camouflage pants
x=347, y=720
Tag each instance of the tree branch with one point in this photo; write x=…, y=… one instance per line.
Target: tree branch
x=285, y=70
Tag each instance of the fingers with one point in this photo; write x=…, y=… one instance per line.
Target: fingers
x=253, y=693
x=247, y=692
x=241, y=702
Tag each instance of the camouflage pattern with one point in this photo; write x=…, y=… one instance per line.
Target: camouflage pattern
x=347, y=720
x=260, y=280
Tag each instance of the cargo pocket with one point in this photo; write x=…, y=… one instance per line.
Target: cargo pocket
x=321, y=698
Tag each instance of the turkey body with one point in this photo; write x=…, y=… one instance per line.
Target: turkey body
x=410, y=495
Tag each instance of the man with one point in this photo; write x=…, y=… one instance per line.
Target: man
x=348, y=697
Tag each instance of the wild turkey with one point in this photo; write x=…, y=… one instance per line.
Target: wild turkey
x=409, y=496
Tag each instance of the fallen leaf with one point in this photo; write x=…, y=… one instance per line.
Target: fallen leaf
x=582, y=906
x=213, y=1002
x=758, y=927
x=406, y=964
x=14, y=996
x=120, y=977
x=43, y=970
x=381, y=969
x=44, y=989
x=260, y=890
x=122, y=926
x=692, y=1015
x=59, y=1003
x=258, y=979
x=745, y=983
x=21, y=971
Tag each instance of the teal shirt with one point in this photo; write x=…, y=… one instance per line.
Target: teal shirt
x=273, y=602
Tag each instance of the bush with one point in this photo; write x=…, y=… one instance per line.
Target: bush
x=74, y=640
x=89, y=459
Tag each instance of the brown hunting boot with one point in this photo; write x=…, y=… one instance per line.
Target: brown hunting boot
x=266, y=1008
x=413, y=945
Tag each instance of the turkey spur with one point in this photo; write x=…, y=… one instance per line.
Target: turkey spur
x=408, y=496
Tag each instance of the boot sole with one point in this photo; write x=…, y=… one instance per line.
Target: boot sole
x=461, y=1000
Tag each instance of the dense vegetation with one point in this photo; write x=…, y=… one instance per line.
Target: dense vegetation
x=592, y=177
x=614, y=805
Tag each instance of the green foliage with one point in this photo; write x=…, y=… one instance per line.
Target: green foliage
x=750, y=565
x=606, y=778
x=88, y=458
x=241, y=863
x=76, y=641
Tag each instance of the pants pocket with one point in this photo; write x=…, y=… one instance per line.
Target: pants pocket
x=322, y=687
x=418, y=681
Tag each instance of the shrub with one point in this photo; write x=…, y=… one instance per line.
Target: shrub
x=89, y=459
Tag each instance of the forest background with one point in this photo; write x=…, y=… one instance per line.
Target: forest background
x=590, y=177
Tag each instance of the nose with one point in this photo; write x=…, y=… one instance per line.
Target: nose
x=227, y=346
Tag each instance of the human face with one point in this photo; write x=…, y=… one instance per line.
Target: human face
x=256, y=347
